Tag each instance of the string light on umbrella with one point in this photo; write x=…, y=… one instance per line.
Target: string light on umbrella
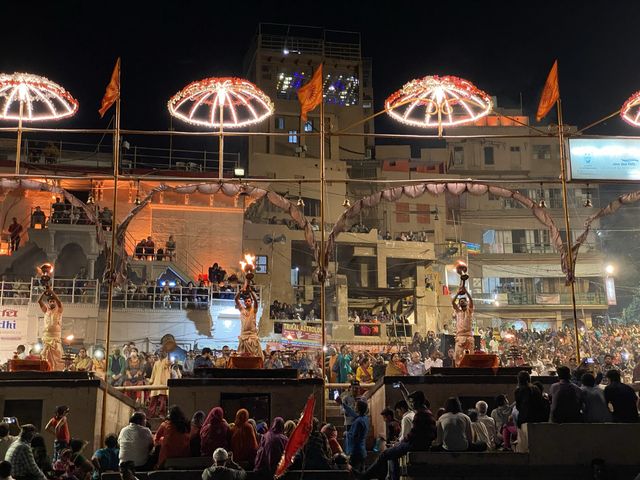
x=438, y=102
x=221, y=102
x=32, y=98
x=630, y=111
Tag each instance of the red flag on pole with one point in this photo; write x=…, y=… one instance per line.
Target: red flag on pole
x=112, y=92
x=298, y=438
x=310, y=94
x=550, y=93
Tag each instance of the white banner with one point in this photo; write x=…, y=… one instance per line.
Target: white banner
x=14, y=323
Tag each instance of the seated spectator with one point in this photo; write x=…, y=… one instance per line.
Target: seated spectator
x=434, y=360
x=82, y=362
x=197, y=420
x=392, y=427
x=40, y=455
x=364, y=373
x=173, y=436
x=83, y=468
x=5, y=439
x=244, y=444
x=149, y=248
x=488, y=422
x=273, y=361
x=566, y=399
x=215, y=432
x=316, y=453
x=594, y=405
x=272, y=445
x=223, y=361
x=332, y=436
x=454, y=432
x=500, y=415
x=64, y=465
x=136, y=442
x=106, y=459
x=415, y=367
x=224, y=468
x=622, y=398
x=478, y=430
x=289, y=427
x=396, y=367
x=139, y=253
x=204, y=360
x=509, y=433
x=20, y=456
x=160, y=255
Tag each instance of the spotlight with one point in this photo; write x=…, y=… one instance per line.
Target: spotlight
x=37, y=347
x=98, y=354
x=542, y=203
x=69, y=338
x=300, y=202
x=587, y=203
x=90, y=200
x=346, y=203
x=137, y=201
x=238, y=172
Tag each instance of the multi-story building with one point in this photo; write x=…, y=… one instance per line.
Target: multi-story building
x=515, y=270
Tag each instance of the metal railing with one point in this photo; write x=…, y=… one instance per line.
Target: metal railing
x=157, y=297
x=526, y=248
x=540, y=298
x=69, y=290
x=60, y=153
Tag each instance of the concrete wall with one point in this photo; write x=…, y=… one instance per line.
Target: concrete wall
x=288, y=397
x=83, y=397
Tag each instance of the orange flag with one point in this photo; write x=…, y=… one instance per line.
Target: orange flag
x=550, y=94
x=113, y=90
x=310, y=95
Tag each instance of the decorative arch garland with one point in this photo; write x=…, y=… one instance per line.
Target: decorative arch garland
x=438, y=188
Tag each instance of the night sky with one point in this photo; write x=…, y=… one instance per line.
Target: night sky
x=505, y=48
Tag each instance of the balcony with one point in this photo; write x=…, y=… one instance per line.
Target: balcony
x=527, y=248
x=488, y=300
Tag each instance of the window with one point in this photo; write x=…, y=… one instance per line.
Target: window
x=402, y=212
x=293, y=136
x=541, y=152
x=515, y=149
x=262, y=264
x=279, y=123
x=488, y=156
x=423, y=213
x=308, y=126
x=311, y=207
x=458, y=155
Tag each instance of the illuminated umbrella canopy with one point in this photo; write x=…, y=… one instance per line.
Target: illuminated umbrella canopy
x=216, y=102
x=437, y=102
x=28, y=97
x=630, y=111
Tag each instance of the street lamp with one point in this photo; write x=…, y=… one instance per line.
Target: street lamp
x=609, y=269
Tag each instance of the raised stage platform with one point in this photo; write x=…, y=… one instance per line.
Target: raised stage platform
x=469, y=384
x=33, y=396
x=265, y=393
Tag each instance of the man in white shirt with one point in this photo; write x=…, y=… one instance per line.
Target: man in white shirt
x=5, y=439
x=494, y=345
x=415, y=367
x=488, y=422
x=433, y=360
x=406, y=417
x=136, y=441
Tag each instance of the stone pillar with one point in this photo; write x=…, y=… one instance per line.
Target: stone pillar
x=91, y=267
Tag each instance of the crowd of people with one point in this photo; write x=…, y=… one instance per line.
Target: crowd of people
x=297, y=311
x=246, y=443
x=145, y=249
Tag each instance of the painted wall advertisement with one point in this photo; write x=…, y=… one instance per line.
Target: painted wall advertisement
x=301, y=335
x=14, y=323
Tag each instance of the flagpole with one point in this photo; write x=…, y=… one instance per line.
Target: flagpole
x=112, y=261
x=221, y=145
x=323, y=280
x=570, y=265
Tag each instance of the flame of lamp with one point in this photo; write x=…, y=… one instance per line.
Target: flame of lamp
x=45, y=270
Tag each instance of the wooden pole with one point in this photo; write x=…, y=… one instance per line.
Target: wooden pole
x=323, y=280
x=112, y=260
x=567, y=223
